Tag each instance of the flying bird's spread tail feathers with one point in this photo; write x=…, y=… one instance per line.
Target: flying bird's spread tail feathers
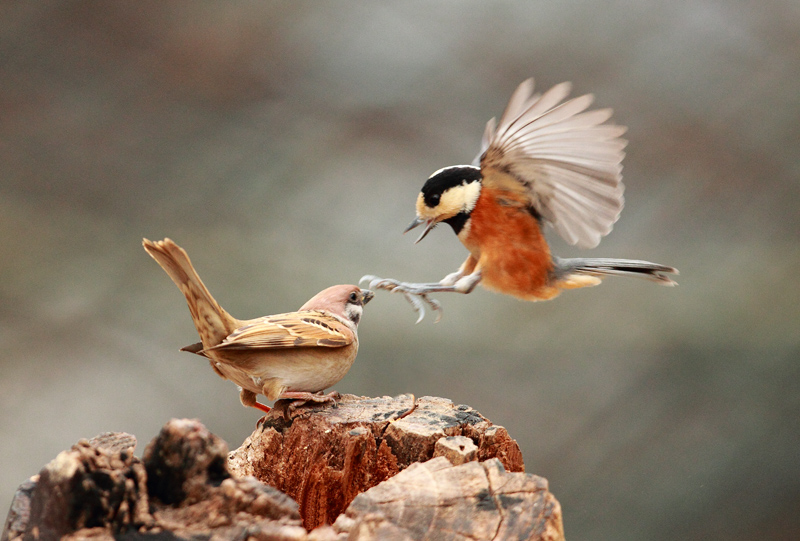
x=609, y=267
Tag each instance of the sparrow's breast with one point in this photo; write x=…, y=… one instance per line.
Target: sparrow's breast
x=308, y=369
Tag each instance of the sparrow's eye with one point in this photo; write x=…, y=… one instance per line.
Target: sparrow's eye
x=435, y=198
x=353, y=297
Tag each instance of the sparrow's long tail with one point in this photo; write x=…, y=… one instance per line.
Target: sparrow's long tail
x=620, y=267
x=212, y=322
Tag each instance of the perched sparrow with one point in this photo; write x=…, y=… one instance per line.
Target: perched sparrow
x=546, y=162
x=293, y=356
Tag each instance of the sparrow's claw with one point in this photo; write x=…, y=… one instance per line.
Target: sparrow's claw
x=292, y=407
x=299, y=399
x=415, y=294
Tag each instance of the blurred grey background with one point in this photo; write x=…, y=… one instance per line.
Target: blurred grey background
x=283, y=145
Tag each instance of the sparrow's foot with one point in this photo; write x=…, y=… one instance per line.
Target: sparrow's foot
x=415, y=294
x=332, y=396
x=299, y=398
x=248, y=398
x=262, y=407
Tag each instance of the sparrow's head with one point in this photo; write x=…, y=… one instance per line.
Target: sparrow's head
x=449, y=195
x=345, y=301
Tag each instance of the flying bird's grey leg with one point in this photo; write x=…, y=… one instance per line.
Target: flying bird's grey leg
x=417, y=293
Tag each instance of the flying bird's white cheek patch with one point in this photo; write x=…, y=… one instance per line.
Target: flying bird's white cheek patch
x=424, y=212
x=455, y=200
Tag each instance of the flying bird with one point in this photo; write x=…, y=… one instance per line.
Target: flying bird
x=546, y=162
x=293, y=356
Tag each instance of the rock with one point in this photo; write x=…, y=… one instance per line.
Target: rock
x=436, y=500
x=326, y=456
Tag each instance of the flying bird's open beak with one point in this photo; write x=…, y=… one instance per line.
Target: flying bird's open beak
x=430, y=225
x=366, y=296
x=413, y=224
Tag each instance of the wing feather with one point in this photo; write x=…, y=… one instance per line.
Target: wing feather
x=292, y=330
x=531, y=106
x=568, y=161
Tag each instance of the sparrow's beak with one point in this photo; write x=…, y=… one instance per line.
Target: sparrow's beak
x=430, y=225
x=366, y=296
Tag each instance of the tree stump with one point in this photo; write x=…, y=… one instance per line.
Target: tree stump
x=325, y=458
x=361, y=470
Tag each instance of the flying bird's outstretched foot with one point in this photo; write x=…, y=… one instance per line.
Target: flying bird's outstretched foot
x=457, y=282
x=415, y=294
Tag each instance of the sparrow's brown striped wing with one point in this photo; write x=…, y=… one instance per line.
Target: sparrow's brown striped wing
x=292, y=330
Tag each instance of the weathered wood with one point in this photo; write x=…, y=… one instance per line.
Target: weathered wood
x=441, y=472
x=456, y=449
x=98, y=489
x=325, y=458
x=437, y=500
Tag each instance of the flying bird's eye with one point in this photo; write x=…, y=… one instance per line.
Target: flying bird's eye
x=353, y=297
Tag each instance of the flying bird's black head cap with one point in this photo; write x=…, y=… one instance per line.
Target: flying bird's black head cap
x=444, y=179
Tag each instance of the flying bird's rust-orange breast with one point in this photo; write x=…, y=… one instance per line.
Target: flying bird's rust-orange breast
x=512, y=253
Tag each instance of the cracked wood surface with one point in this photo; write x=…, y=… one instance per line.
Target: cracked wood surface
x=435, y=500
x=326, y=456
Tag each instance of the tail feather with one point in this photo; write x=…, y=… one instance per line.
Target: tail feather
x=619, y=267
x=212, y=322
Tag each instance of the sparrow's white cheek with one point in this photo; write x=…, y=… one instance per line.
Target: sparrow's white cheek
x=353, y=312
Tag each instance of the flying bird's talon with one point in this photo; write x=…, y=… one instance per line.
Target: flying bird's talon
x=435, y=305
x=415, y=294
x=418, y=301
x=419, y=308
x=384, y=283
x=376, y=282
